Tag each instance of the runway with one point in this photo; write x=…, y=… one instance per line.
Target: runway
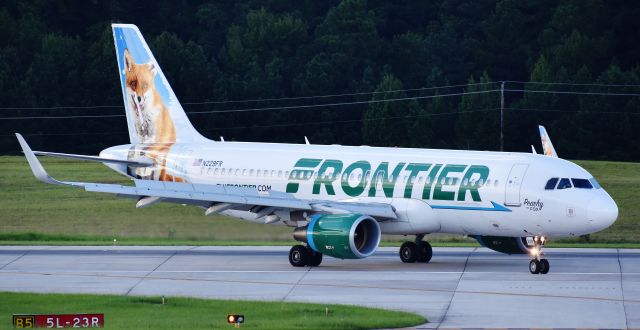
x=459, y=288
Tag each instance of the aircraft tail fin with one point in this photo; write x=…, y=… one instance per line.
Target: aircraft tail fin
x=154, y=114
x=547, y=146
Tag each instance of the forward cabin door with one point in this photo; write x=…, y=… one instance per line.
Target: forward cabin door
x=514, y=183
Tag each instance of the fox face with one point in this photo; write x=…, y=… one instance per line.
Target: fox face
x=141, y=96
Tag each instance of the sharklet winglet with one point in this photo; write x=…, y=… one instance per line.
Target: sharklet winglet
x=36, y=167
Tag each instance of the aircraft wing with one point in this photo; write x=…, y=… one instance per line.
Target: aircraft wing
x=132, y=163
x=211, y=196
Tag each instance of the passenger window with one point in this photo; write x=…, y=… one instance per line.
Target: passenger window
x=215, y=172
x=581, y=183
x=286, y=174
x=279, y=174
x=551, y=184
x=564, y=184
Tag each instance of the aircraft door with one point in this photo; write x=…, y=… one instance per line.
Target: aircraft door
x=514, y=183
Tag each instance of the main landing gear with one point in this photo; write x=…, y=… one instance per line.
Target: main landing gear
x=538, y=265
x=300, y=256
x=419, y=251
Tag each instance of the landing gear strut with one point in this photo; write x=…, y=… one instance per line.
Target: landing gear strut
x=419, y=251
x=538, y=264
x=300, y=256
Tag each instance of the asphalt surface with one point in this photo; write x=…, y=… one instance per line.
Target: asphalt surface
x=459, y=288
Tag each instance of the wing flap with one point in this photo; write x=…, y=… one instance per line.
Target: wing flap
x=96, y=159
x=376, y=210
x=205, y=193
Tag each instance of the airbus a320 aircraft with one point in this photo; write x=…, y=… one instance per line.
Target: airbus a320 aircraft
x=340, y=199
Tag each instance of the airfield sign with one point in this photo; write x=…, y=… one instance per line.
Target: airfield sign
x=58, y=321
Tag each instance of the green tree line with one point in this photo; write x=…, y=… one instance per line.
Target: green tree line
x=569, y=65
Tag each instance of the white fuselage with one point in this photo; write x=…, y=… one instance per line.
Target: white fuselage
x=446, y=191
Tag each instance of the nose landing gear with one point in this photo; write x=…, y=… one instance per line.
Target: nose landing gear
x=538, y=264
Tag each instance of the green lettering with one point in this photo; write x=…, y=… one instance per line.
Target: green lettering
x=414, y=169
x=438, y=193
x=297, y=174
x=426, y=191
x=482, y=174
x=357, y=190
x=388, y=182
x=327, y=180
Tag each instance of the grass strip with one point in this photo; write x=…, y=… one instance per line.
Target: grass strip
x=127, y=312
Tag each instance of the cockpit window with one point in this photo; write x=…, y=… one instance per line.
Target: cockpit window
x=551, y=184
x=581, y=183
x=564, y=183
x=595, y=183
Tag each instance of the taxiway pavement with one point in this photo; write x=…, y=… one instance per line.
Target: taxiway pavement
x=459, y=288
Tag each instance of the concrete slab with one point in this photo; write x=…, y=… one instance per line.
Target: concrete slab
x=459, y=288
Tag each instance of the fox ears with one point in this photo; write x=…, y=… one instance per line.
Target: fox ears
x=129, y=63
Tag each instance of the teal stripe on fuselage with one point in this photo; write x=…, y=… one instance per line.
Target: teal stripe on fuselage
x=496, y=207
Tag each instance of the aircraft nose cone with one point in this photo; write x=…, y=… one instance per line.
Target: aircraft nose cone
x=602, y=212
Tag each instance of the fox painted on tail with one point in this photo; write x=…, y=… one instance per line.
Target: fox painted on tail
x=152, y=120
x=155, y=132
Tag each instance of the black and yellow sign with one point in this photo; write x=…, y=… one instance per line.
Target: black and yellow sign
x=24, y=321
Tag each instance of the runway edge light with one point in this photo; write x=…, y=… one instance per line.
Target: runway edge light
x=235, y=319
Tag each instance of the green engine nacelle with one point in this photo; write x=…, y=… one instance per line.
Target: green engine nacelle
x=344, y=236
x=508, y=245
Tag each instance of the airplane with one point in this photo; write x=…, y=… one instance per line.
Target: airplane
x=339, y=200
